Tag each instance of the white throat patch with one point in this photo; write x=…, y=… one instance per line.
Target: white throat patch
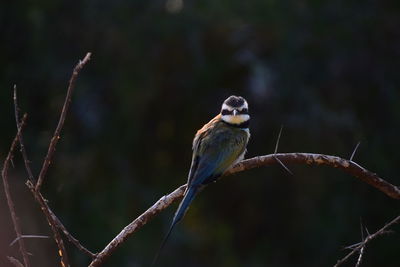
x=235, y=119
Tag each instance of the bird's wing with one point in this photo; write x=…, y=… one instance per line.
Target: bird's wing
x=197, y=141
x=214, y=155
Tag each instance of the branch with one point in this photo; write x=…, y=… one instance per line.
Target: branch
x=20, y=139
x=52, y=219
x=52, y=222
x=15, y=262
x=70, y=237
x=10, y=202
x=287, y=158
x=27, y=236
x=360, y=246
x=56, y=135
x=319, y=159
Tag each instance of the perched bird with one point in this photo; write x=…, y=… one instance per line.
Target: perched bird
x=216, y=146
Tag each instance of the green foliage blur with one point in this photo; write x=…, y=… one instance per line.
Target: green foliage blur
x=328, y=71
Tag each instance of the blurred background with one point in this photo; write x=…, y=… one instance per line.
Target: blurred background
x=328, y=71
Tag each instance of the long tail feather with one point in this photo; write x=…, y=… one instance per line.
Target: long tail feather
x=180, y=212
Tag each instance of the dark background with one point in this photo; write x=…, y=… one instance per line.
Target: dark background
x=326, y=70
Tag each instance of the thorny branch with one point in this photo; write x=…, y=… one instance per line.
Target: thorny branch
x=10, y=202
x=56, y=135
x=361, y=246
x=54, y=222
x=50, y=216
x=19, y=134
x=282, y=158
x=286, y=158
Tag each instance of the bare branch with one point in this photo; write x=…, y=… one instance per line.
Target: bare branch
x=27, y=236
x=288, y=158
x=35, y=189
x=15, y=262
x=360, y=246
x=319, y=159
x=131, y=228
x=72, y=239
x=361, y=254
x=51, y=221
x=21, y=142
x=56, y=135
x=49, y=212
x=358, y=263
x=10, y=202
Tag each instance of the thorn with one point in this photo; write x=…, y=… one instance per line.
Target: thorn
x=283, y=165
x=277, y=141
x=354, y=151
x=361, y=227
x=27, y=236
x=353, y=246
x=366, y=229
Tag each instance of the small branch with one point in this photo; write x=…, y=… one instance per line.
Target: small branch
x=50, y=216
x=21, y=142
x=52, y=222
x=11, y=206
x=360, y=247
x=359, y=260
x=361, y=254
x=27, y=236
x=15, y=262
x=72, y=239
x=287, y=158
x=56, y=135
x=131, y=228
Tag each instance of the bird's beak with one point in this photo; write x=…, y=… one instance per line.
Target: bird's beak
x=235, y=112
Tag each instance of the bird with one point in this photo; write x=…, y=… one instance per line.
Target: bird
x=217, y=146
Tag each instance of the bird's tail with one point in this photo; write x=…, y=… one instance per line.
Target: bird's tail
x=180, y=212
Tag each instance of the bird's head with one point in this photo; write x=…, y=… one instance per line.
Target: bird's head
x=235, y=110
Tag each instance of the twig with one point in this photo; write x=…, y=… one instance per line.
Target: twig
x=56, y=135
x=51, y=217
x=70, y=237
x=288, y=158
x=21, y=143
x=14, y=261
x=51, y=221
x=27, y=236
x=368, y=239
x=131, y=228
x=10, y=202
x=358, y=263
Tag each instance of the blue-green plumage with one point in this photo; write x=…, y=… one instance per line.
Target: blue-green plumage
x=217, y=146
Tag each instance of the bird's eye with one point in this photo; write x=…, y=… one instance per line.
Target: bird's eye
x=244, y=111
x=226, y=112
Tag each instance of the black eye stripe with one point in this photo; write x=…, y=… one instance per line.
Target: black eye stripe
x=226, y=112
x=244, y=111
